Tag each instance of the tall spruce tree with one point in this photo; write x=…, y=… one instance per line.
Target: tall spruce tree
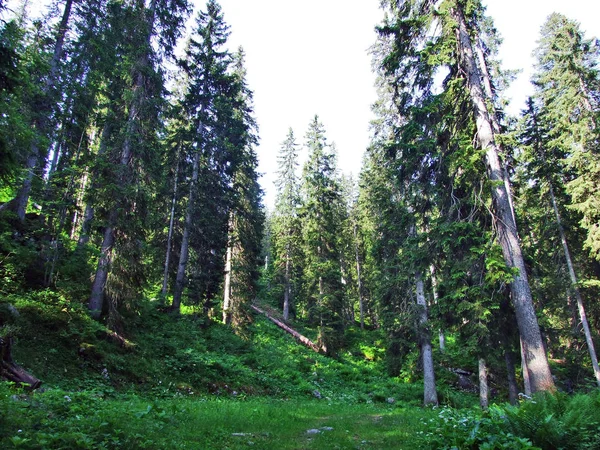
x=132, y=156
x=206, y=67
x=246, y=215
x=411, y=56
x=286, y=231
x=545, y=176
x=320, y=216
x=568, y=86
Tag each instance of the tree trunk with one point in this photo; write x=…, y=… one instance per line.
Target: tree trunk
x=487, y=84
x=537, y=362
x=12, y=371
x=302, y=339
x=45, y=111
x=430, y=392
x=513, y=389
x=441, y=335
x=97, y=296
x=227, y=284
x=185, y=240
x=525, y=371
x=170, y=235
x=484, y=399
x=287, y=288
x=361, y=300
x=575, y=289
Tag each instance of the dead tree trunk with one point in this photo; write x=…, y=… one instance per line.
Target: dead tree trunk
x=12, y=371
x=300, y=338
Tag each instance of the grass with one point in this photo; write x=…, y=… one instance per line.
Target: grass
x=60, y=420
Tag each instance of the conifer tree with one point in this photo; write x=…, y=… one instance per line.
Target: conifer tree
x=545, y=176
x=286, y=230
x=132, y=156
x=246, y=215
x=568, y=86
x=321, y=200
x=205, y=67
x=410, y=57
x=47, y=97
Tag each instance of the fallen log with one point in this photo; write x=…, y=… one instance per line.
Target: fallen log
x=12, y=371
x=300, y=338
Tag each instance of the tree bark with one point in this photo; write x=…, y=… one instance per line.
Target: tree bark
x=185, y=239
x=575, y=289
x=287, y=288
x=537, y=362
x=484, y=399
x=429, y=392
x=170, y=235
x=513, y=390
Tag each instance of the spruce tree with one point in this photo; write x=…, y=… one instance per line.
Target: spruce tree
x=246, y=216
x=410, y=57
x=132, y=157
x=568, y=86
x=320, y=216
x=545, y=175
x=206, y=67
x=286, y=230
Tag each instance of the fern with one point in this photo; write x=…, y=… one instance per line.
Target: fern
x=558, y=421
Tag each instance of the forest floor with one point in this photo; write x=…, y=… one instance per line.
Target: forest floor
x=185, y=382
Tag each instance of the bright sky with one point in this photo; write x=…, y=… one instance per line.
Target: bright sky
x=305, y=58
x=311, y=57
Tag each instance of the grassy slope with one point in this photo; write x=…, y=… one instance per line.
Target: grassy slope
x=165, y=355
x=181, y=384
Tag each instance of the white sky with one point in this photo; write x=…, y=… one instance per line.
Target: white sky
x=311, y=57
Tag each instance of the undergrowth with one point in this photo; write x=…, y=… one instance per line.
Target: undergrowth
x=185, y=382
